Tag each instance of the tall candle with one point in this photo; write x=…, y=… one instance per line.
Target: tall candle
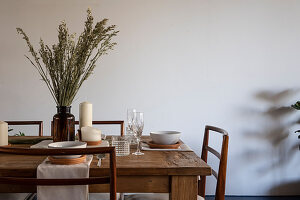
x=3, y=133
x=85, y=114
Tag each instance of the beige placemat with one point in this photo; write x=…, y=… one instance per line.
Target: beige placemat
x=182, y=147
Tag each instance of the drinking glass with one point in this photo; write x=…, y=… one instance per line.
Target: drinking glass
x=138, y=126
x=130, y=116
x=129, y=128
x=122, y=145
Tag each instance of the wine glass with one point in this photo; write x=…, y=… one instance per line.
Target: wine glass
x=129, y=128
x=138, y=125
x=130, y=116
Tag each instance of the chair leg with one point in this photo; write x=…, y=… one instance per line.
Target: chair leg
x=121, y=196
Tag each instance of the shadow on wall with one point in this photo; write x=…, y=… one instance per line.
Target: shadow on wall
x=291, y=188
x=276, y=120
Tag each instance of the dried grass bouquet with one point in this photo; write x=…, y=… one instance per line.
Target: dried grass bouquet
x=71, y=61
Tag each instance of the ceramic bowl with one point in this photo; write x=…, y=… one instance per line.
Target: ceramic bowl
x=165, y=137
x=67, y=145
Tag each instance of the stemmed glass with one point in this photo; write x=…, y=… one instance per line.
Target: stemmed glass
x=130, y=116
x=129, y=128
x=138, y=126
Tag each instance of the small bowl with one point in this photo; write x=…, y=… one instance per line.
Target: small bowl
x=165, y=137
x=67, y=145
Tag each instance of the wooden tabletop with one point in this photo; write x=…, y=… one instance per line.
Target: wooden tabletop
x=151, y=163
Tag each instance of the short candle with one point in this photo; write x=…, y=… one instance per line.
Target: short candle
x=90, y=134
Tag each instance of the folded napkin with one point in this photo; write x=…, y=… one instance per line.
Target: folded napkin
x=182, y=147
x=48, y=170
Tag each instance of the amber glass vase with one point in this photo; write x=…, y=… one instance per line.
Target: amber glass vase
x=63, y=125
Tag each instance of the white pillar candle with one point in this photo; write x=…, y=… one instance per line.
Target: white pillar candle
x=85, y=114
x=90, y=134
x=3, y=133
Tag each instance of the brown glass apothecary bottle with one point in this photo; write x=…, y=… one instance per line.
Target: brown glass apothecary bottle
x=63, y=127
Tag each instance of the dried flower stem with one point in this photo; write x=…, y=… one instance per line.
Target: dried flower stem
x=69, y=63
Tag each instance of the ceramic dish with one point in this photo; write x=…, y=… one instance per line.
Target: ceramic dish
x=165, y=137
x=67, y=145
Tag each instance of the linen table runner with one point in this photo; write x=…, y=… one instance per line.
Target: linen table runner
x=76, y=192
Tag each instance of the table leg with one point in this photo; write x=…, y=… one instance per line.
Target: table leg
x=184, y=187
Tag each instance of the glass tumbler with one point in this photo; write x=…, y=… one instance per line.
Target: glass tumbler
x=122, y=145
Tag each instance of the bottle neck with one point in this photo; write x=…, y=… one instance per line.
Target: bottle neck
x=63, y=109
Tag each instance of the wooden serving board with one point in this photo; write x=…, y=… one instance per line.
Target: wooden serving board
x=163, y=146
x=93, y=143
x=67, y=161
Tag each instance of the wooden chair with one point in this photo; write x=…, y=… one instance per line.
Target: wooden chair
x=220, y=176
x=121, y=123
x=79, y=181
x=25, y=123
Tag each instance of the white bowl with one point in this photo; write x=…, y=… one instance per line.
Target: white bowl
x=67, y=145
x=165, y=137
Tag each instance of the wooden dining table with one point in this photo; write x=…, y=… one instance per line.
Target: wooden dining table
x=174, y=172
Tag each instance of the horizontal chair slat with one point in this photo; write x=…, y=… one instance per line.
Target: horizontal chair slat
x=211, y=150
x=49, y=182
x=49, y=152
x=104, y=122
x=214, y=173
x=23, y=122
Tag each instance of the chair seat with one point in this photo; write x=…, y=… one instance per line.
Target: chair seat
x=148, y=196
x=101, y=196
x=152, y=196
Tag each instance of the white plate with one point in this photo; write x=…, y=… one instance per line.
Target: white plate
x=67, y=145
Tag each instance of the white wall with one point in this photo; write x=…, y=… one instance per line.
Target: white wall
x=185, y=64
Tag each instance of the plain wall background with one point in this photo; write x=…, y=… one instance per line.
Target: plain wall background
x=185, y=64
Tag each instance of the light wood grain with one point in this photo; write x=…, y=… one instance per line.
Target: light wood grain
x=184, y=187
x=137, y=184
x=151, y=172
x=128, y=184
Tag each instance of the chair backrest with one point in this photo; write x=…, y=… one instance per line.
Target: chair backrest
x=22, y=123
x=221, y=175
x=79, y=181
x=121, y=123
